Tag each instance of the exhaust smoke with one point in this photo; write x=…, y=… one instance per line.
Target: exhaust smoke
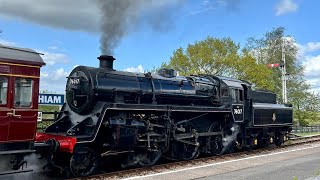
x=119, y=17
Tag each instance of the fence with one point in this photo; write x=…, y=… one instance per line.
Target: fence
x=305, y=129
x=47, y=119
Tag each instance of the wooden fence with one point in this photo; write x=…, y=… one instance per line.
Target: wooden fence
x=47, y=119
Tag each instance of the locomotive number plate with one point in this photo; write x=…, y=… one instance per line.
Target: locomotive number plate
x=237, y=112
x=74, y=81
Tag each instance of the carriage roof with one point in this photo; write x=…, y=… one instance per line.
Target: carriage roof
x=12, y=54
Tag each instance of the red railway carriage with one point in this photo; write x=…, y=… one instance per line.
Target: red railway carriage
x=19, y=91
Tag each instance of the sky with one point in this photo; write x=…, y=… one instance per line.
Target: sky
x=142, y=34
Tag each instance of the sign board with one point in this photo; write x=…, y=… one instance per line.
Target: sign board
x=51, y=99
x=39, y=117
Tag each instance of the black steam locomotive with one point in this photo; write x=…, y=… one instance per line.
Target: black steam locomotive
x=147, y=116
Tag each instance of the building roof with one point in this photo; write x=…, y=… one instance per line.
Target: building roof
x=20, y=55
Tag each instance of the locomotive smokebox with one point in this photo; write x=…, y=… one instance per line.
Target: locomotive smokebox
x=106, y=61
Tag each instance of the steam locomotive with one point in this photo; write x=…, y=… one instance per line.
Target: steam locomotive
x=109, y=112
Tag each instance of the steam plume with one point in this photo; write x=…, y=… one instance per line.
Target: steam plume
x=118, y=17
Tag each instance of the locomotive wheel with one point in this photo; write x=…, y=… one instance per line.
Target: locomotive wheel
x=83, y=163
x=184, y=151
x=216, y=146
x=278, y=140
x=149, y=158
x=215, y=142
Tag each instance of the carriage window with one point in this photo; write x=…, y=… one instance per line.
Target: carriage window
x=3, y=90
x=23, y=92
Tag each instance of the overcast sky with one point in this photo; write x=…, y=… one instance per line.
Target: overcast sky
x=146, y=32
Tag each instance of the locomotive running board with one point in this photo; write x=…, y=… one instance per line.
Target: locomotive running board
x=15, y=172
x=116, y=106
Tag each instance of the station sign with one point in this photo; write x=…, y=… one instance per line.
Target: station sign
x=51, y=99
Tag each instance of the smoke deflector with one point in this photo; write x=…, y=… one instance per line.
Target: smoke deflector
x=106, y=61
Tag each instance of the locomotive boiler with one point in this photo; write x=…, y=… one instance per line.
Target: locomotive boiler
x=145, y=116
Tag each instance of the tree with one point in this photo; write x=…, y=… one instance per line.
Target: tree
x=220, y=57
x=248, y=69
x=209, y=56
x=267, y=50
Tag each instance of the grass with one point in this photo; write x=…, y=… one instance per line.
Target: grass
x=307, y=134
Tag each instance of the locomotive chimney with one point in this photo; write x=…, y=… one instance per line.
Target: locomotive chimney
x=106, y=61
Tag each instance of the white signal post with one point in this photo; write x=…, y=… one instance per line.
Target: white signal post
x=283, y=68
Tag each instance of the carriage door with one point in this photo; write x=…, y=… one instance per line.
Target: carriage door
x=4, y=108
x=24, y=113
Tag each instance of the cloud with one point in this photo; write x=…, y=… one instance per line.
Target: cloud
x=53, y=48
x=7, y=43
x=59, y=73
x=81, y=15
x=312, y=46
x=304, y=49
x=286, y=6
x=311, y=63
x=51, y=58
x=209, y=5
x=53, y=81
x=138, y=69
x=312, y=71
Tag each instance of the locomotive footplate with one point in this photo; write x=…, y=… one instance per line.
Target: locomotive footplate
x=173, y=108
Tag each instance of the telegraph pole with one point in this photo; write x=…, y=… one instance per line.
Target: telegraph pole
x=284, y=78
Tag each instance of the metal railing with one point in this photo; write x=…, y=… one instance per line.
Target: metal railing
x=305, y=129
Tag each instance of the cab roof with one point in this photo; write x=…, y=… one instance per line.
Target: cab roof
x=20, y=55
x=233, y=82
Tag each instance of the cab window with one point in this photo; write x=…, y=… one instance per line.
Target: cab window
x=224, y=90
x=240, y=95
x=23, y=92
x=234, y=95
x=3, y=90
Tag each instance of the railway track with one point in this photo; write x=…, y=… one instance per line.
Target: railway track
x=296, y=141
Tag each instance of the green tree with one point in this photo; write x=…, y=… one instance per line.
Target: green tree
x=220, y=57
x=248, y=69
x=267, y=50
x=209, y=56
